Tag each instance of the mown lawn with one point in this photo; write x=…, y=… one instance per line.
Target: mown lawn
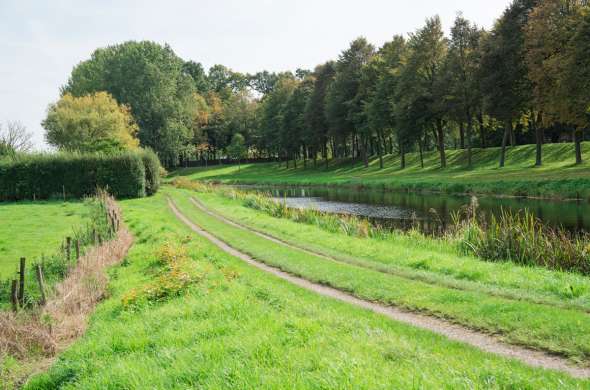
x=252, y=330
x=564, y=331
x=31, y=229
x=559, y=177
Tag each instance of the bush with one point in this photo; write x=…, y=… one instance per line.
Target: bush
x=44, y=176
x=152, y=171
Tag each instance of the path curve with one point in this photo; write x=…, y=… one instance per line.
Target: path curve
x=452, y=331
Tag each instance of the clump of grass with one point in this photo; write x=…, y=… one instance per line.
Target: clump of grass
x=522, y=238
x=178, y=273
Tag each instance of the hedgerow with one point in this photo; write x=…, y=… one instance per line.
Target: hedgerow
x=46, y=176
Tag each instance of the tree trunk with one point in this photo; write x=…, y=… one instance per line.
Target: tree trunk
x=482, y=130
x=512, y=136
x=441, y=143
x=469, y=133
x=364, y=145
x=507, y=131
x=420, y=150
x=578, y=142
x=402, y=152
x=462, y=135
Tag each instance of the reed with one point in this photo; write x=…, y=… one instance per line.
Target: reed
x=520, y=237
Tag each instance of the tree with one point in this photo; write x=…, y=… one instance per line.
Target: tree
x=463, y=67
x=315, y=110
x=91, y=123
x=148, y=78
x=342, y=105
x=198, y=75
x=14, y=138
x=237, y=148
x=504, y=75
x=380, y=106
x=555, y=65
x=294, y=127
x=422, y=91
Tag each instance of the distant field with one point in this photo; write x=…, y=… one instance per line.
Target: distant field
x=557, y=178
x=30, y=229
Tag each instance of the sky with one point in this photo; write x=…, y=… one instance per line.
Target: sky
x=41, y=41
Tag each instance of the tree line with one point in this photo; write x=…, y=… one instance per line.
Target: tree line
x=527, y=80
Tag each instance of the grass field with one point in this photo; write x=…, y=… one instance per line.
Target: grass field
x=557, y=178
x=241, y=328
x=548, y=327
x=31, y=229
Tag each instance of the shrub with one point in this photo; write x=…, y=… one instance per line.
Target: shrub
x=152, y=167
x=44, y=176
x=177, y=273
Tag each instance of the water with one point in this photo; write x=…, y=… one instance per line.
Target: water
x=430, y=212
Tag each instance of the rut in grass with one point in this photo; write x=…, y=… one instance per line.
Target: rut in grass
x=512, y=295
x=454, y=332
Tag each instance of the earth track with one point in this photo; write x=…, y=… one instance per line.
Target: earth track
x=512, y=295
x=454, y=332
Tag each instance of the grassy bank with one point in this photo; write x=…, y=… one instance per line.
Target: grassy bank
x=551, y=328
x=237, y=327
x=557, y=178
x=30, y=229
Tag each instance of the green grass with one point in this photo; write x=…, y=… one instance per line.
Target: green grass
x=30, y=229
x=558, y=330
x=256, y=331
x=417, y=257
x=559, y=177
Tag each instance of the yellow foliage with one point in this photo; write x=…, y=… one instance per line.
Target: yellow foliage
x=89, y=123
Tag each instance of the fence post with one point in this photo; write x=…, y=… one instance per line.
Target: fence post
x=94, y=237
x=99, y=239
x=41, y=284
x=14, y=295
x=77, y=249
x=69, y=248
x=21, y=287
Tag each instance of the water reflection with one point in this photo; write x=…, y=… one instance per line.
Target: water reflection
x=431, y=212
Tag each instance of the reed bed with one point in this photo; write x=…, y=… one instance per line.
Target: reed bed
x=520, y=237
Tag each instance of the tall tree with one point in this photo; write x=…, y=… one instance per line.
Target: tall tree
x=149, y=79
x=504, y=75
x=463, y=66
x=552, y=41
x=342, y=106
x=315, y=110
x=422, y=87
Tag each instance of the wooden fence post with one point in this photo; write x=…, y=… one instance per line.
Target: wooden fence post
x=94, y=237
x=77, y=249
x=41, y=284
x=14, y=295
x=21, y=287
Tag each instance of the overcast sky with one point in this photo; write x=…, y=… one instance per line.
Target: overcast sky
x=40, y=41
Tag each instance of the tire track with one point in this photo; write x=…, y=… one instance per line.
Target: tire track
x=452, y=331
x=515, y=296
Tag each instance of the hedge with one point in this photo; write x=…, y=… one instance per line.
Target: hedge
x=47, y=176
x=152, y=167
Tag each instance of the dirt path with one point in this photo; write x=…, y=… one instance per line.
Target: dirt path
x=454, y=332
x=513, y=295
